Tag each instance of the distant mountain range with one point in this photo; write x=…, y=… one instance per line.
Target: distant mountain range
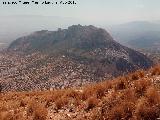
x=139, y=34
x=66, y=57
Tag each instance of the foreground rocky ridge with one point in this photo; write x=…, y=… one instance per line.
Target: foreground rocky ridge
x=132, y=97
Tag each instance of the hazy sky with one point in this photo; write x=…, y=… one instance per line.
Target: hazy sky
x=98, y=11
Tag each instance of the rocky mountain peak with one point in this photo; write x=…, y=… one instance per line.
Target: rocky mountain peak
x=68, y=57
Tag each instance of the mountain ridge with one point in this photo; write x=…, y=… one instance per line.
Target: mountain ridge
x=138, y=34
x=83, y=41
x=70, y=57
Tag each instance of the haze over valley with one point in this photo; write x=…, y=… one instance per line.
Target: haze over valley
x=93, y=60
x=135, y=34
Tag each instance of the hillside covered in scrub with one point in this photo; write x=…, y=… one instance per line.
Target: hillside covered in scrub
x=135, y=96
x=65, y=58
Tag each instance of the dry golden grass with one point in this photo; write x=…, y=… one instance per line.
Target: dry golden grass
x=37, y=110
x=155, y=70
x=145, y=111
x=91, y=103
x=137, y=75
x=61, y=102
x=131, y=97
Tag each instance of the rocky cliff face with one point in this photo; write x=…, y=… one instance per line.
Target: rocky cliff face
x=69, y=57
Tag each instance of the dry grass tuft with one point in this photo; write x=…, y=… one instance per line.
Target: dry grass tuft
x=141, y=86
x=144, y=111
x=37, y=110
x=155, y=71
x=153, y=96
x=61, y=102
x=121, y=111
x=121, y=84
x=91, y=103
